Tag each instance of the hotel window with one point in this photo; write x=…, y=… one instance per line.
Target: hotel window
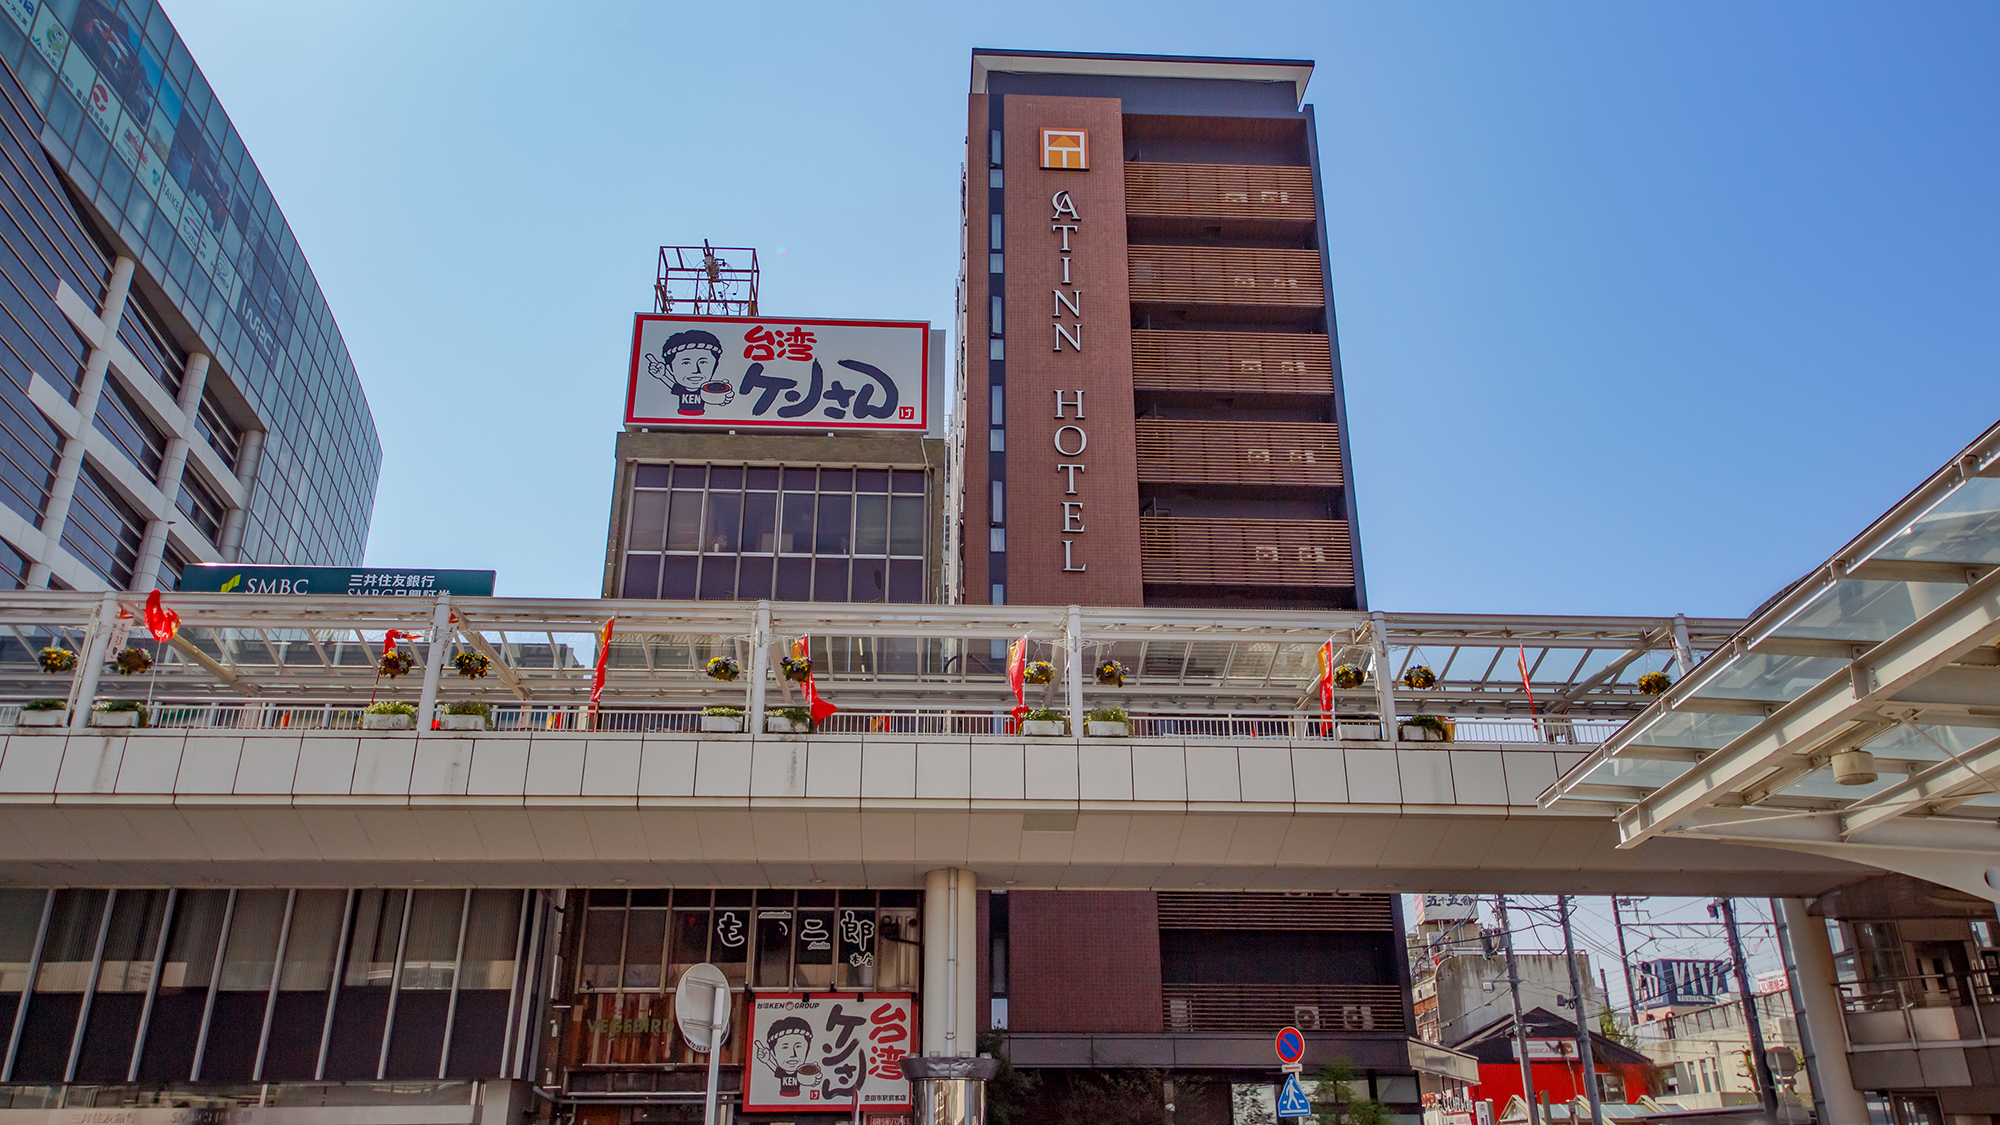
x=730, y=532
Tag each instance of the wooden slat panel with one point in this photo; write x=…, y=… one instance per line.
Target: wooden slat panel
x=1215, y=275
x=1219, y=191
x=1239, y=452
x=1244, y=552
x=1260, y=1007
x=1270, y=910
x=1232, y=362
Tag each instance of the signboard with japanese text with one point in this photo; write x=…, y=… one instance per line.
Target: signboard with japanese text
x=368, y=582
x=812, y=1053
x=1447, y=908
x=730, y=372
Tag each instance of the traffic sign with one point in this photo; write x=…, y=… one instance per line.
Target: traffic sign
x=1292, y=1100
x=701, y=1007
x=1291, y=1046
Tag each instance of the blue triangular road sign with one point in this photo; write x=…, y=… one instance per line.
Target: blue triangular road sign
x=1292, y=1100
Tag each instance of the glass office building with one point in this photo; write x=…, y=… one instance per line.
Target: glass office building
x=176, y=389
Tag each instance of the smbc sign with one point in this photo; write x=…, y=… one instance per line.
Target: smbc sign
x=224, y=578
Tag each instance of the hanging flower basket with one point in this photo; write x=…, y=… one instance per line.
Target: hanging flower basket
x=395, y=663
x=471, y=665
x=1347, y=677
x=1655, y=683
x=1111, y=674
x=1040, y=671
x=55, y=660
x=797, y=669
x=1419, y=677
x=131, y=662
x=724, y=668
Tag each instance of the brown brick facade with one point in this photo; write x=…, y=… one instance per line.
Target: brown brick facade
x=1084, y=961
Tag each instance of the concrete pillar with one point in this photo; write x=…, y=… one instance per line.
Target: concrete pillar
x=1073, y=668
x=440, y=639
x=1813, y=987
x=56, y=512
x=1385, y=675
x=90, y=662
x=246, y=471
x=760, y=668
x=951, y=950
x=193, y=378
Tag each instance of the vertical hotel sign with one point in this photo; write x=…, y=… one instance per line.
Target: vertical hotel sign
x=1068, y=150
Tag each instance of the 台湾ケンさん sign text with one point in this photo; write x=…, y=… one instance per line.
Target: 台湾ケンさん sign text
x=732, y=371
x=816, y=1053
x=227, y=578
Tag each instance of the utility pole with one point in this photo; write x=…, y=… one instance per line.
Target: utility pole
x=1767, y=1086
x=1520, y=1031
x=1583, y=1050
x=1624, y=961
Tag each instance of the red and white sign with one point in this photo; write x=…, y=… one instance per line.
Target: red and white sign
x=732, y=372
x=814, y=1053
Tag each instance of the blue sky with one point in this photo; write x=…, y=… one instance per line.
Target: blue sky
x=1643, y=309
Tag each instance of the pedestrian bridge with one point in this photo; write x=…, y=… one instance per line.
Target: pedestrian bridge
x=1228, y=774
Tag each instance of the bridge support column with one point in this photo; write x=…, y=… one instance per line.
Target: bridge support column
x=951, y=958
x=1818, y=999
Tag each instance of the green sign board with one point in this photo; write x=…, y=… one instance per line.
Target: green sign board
x=365, y=582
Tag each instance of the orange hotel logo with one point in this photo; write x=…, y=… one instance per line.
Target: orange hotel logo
x=1066, y=148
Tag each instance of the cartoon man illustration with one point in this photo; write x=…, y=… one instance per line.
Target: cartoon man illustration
x=786, y=1047
x=686, y=364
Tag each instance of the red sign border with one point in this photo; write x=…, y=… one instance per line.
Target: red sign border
x=632, y=377
x=1279, y=1038
x=909, y=1103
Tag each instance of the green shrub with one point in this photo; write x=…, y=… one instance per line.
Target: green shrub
x=1431, y=723
x=1045, y=715
x=1107, y=715
x=46, y=705
x=392, y=707
x=117, y=706
x=469, y=707
x=795, y=714
x=727, y=712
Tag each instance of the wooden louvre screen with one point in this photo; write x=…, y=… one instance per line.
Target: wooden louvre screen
x=1213, y=275
x=1185, y=550
x=1219, y=191
x=1174, y=450
x=1232, y=362
x=1261, y=1007
x=1262, y=910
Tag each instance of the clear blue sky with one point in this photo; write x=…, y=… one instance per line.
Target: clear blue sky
x=1643, y=308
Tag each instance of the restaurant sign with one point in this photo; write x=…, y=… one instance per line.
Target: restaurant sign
x=730, y=371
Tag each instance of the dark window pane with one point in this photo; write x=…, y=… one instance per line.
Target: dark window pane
x=761, y=478
x=794, y=580
x=603, y=938
x=651, y=476
x=908, y=481
x=814, y=968
x=725, y=478
x=906, y=525
x=870, y=580
x=684, y=522
x=871, y=525
x=833, y=526
x=732, y=937
x=649, y=521
x=774, y=948
x=753, y=578
x=760, y=522
x=795, y=531
x=725, y=514
x=829, y=580
x=871, y=480
x=690, y=476
x=645, y=948
x=718, y=578
x=690, y=937
x=677, y=577
x=836, y=480
x=800, y=479
x=642, y=577
x=906, y=580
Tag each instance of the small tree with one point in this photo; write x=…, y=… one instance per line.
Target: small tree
x=1607, y=1026
x=1335, y=1101
x=1008, y=1091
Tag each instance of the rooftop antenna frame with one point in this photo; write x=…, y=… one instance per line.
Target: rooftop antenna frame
x=703, y=280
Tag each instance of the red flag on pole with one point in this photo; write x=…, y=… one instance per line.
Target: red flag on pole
x=820, y=708
x=603, y=655
x=1525, y=686
x=162, y=622
x=1326, y=677
x=1017, y=675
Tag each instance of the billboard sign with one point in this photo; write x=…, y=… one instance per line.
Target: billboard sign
x=825, y=1051
x=368, y=582
x=1447, y=908
x=728, y=372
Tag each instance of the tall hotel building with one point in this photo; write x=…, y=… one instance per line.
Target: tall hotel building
x=1153, y=410
x=173, y=388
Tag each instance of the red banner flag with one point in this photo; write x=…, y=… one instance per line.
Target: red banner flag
x=603, y=655
x=820, y=708
x=1326, y=677
x=1527, y=687
x=388, y=639
x=1017, y=675
x=162, y=622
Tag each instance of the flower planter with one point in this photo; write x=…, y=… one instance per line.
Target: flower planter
x=1418, y=734
x=776, y=724
x=395, y=722
x=448, y=722
x=43, y=719
x=1041, y=728
x=1364, y=732
x=1098, y=728
x=722, y=724
x=114, y=718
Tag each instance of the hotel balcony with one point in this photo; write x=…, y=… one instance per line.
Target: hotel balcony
x=1227, y=283
x=1231, y=363
x=1267, y=202
x=1258, y=453
x=1189, y=551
